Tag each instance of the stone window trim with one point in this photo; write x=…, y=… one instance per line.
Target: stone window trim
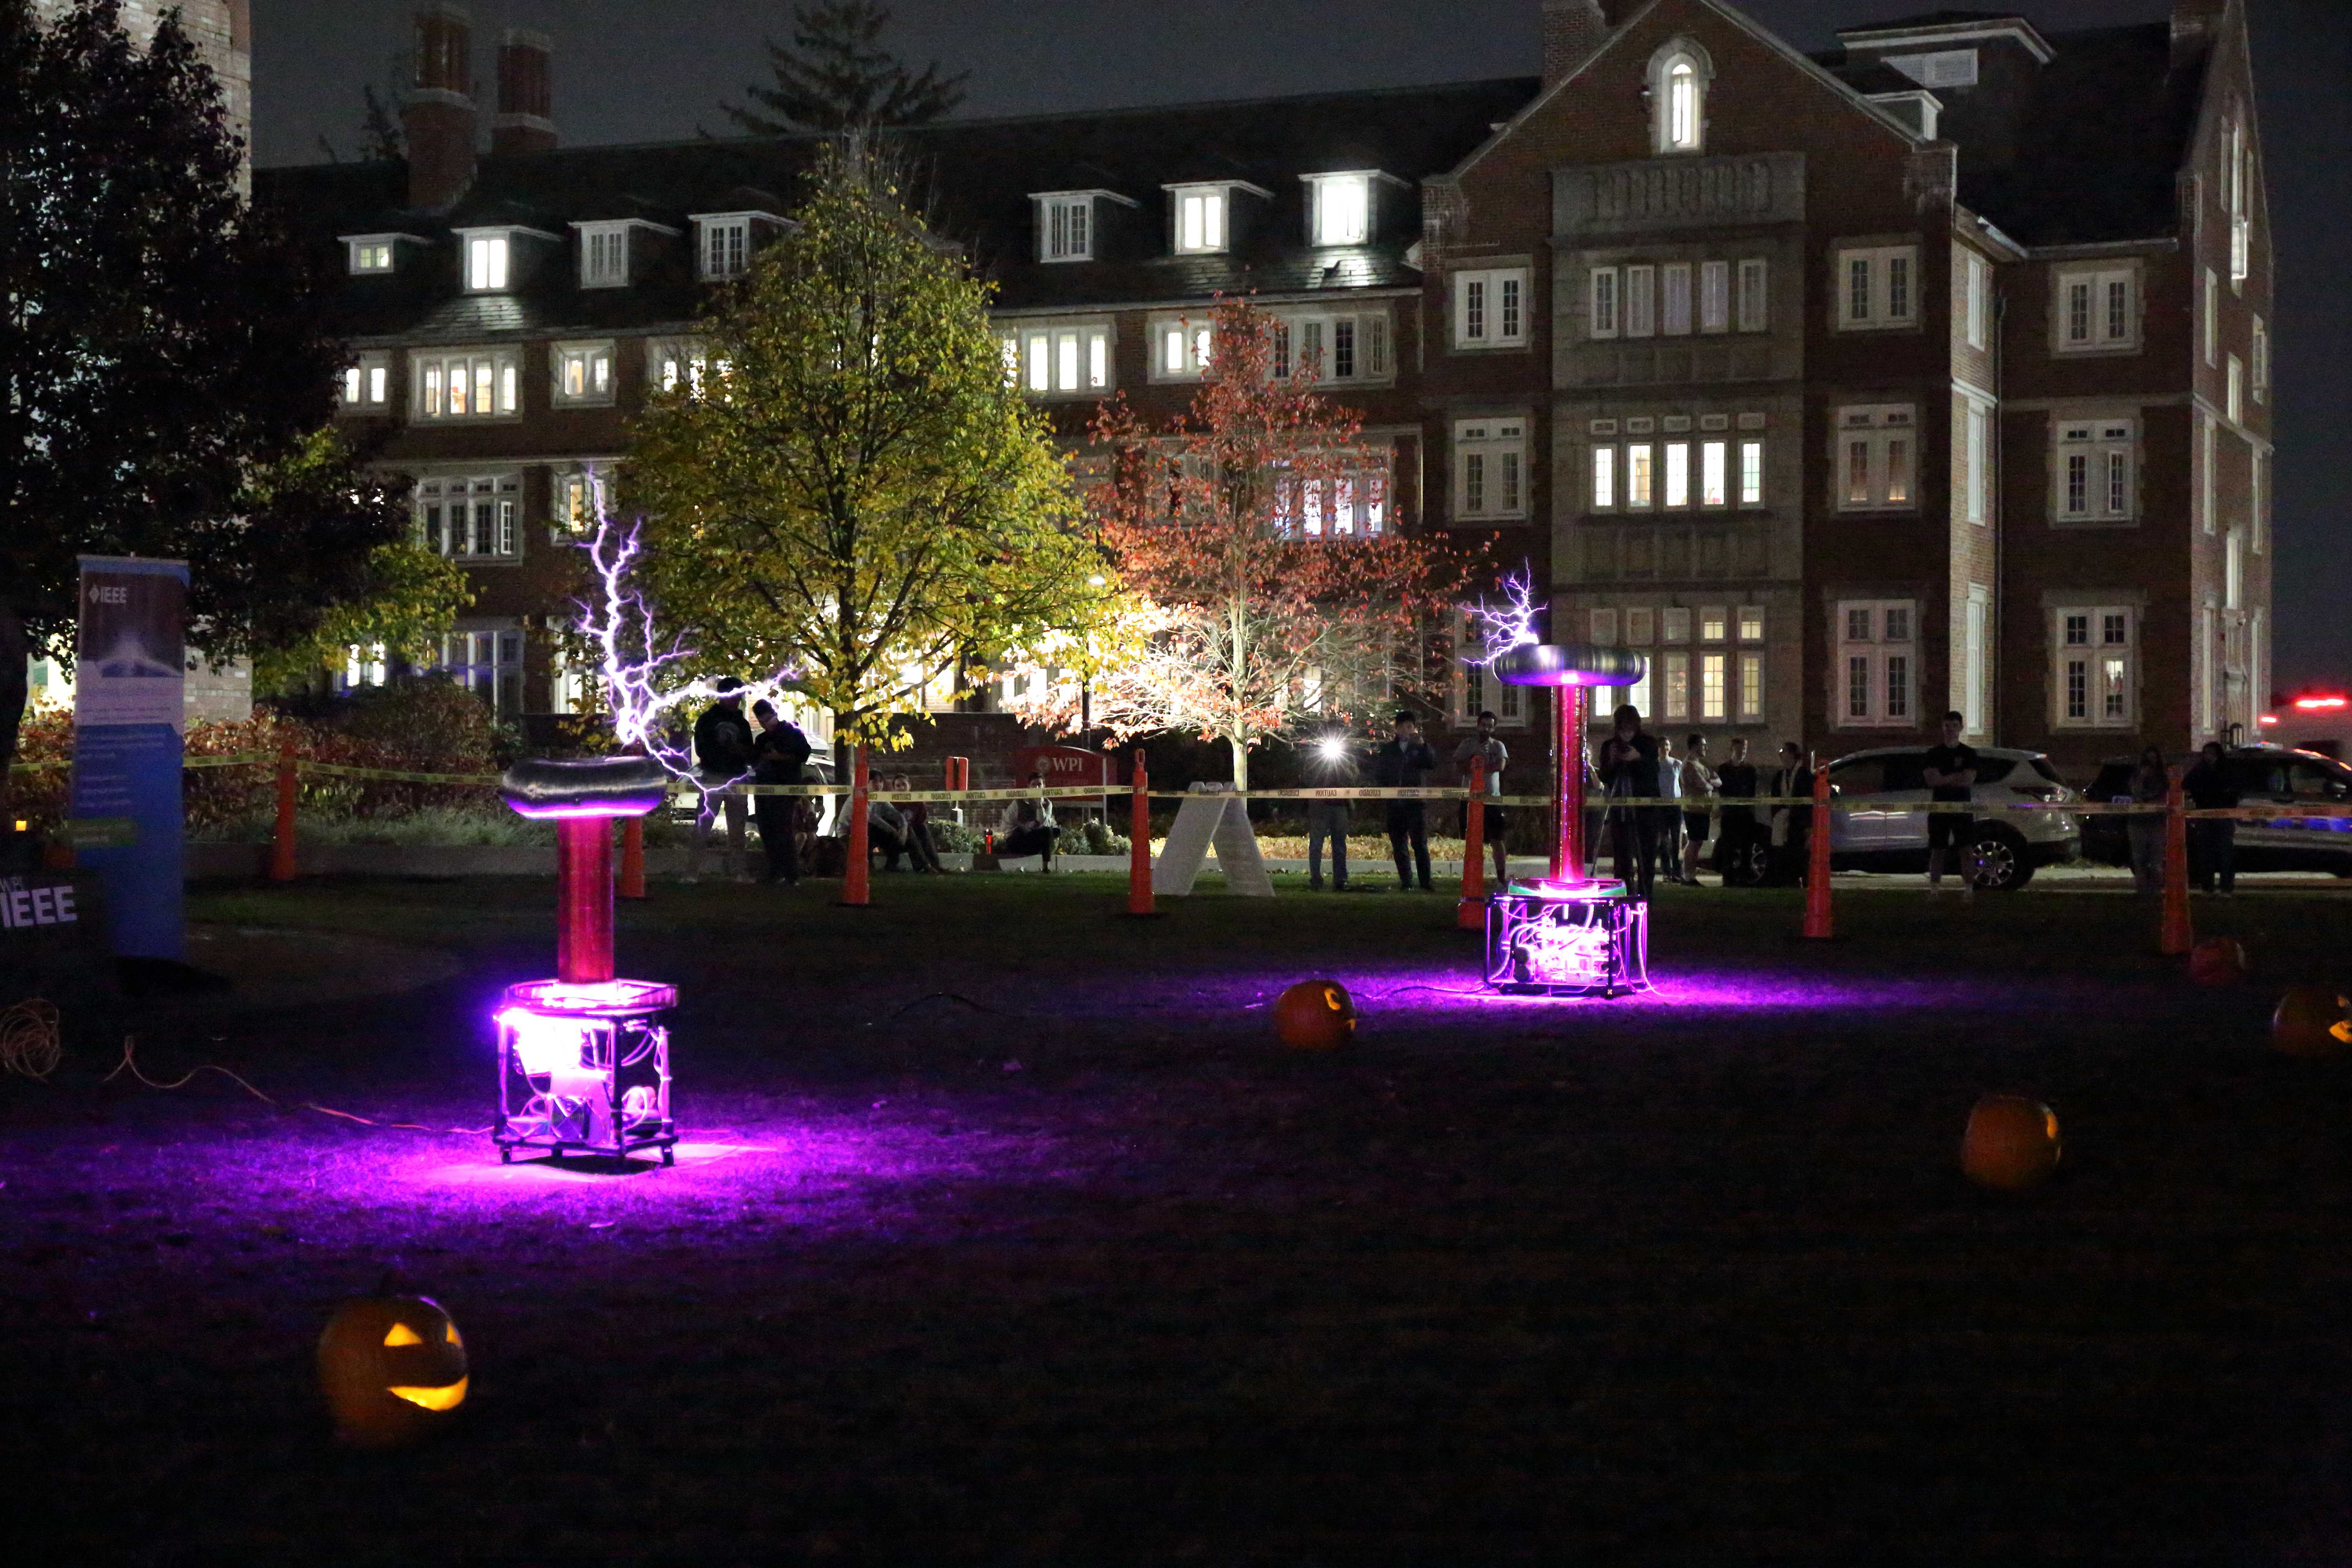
x=491, y=376
x=2094, y=671
x=1490, y=467
x=582, y=374
x=2085, y=449
x=1875, y=452
x=1680, y=74
x=1875, y=675
x=1061, y=357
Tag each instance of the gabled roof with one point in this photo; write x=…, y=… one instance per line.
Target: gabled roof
x=974, y=177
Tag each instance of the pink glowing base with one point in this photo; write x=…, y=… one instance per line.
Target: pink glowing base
x=590, y=999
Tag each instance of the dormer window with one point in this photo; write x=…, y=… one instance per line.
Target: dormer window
x=1069, y=223
x=603, y=256
x=1200, y=221
x=1679, y=75
x=487, y=258
x=1339, y=209
x=374, y=255
x=725, y=247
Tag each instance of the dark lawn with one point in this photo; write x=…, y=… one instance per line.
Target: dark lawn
x=1076, y=1265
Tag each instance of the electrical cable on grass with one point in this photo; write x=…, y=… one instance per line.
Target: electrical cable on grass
x=130, y=1064
x=30, y=1046
x=951, y=997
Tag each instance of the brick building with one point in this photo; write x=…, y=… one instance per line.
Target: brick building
x=1930, y=372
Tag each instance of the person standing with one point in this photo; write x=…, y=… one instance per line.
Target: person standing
x=1331, y=818
x=1792, y=826
x=722, y=753
x=2213, y=841
x=1483, y=747
x=1405, y=763
x=1629, y=771
x=2151, y=784
x=1951, y=772
x=1666, y=821
x=1699, y=785
x=1735, y=840
x=778, y=756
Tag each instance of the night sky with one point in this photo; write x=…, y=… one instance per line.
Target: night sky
x=634, y=70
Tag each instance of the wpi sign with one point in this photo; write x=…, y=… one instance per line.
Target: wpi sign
x=1063, y=765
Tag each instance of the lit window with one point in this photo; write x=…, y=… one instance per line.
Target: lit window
x=1678, y=473
x=1877, y=451
x=2095, y=665
x=2095, y=459
x=1875, y=287
x=1875, y=665
x=1343, y=208
x=1604, y=477
x=1490, y=309
x=371, y=256
x=577, y=499
x=485, y=262
x=1678, y=93
x=367, y=384
x=1751, y=473
x=1751, y=687
x=1489, y=467
x=1712, y=490
x=672, y=364
x=1713, y=698
x=1751, y=622
x=1179, y=348
x=1200, y=220
x=584, y=373
x=1640, y=475
x=466, y=384
x=1976, y=305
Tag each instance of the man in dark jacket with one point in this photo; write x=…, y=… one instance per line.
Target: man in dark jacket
x=1406, y=762
x=2212, y=842
x=723, y=751
x=1734, y=843
x=778, y=757
x=1629, y=771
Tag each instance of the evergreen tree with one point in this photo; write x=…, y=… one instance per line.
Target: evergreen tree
x=161, y=347
x=838, y=76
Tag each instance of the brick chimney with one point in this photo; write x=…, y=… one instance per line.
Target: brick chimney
x=1572, y=29
x=522, y=124
x=436, y=112
x=2195, y=25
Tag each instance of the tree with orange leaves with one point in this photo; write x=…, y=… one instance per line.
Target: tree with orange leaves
x=1268, y=586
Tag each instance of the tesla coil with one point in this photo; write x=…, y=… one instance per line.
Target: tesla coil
x=583, y=1059
x=1568, y=934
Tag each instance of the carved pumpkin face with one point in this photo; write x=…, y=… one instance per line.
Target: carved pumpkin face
x=392, y=1369
x=2313, y=1021
x=1315, y=1015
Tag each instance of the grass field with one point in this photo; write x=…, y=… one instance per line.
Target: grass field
x=1007, y=1235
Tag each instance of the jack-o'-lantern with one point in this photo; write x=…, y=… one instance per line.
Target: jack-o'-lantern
x=1315, y=1015
x=2313, y=1021
x=394, y=1370
x=2218, y=961
x=2011, y=1143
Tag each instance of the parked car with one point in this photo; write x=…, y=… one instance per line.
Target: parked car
x=2279, y=775
x=2007, y=847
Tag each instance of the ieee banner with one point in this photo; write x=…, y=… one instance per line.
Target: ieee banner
x=129, y=689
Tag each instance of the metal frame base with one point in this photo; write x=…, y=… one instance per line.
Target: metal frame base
x=1587, y=939
x=603, y=1091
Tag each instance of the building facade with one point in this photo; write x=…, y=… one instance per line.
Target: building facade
x=1930, y=373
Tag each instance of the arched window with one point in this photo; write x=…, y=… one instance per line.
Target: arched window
x=1679, y=74
x=1682, y=106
